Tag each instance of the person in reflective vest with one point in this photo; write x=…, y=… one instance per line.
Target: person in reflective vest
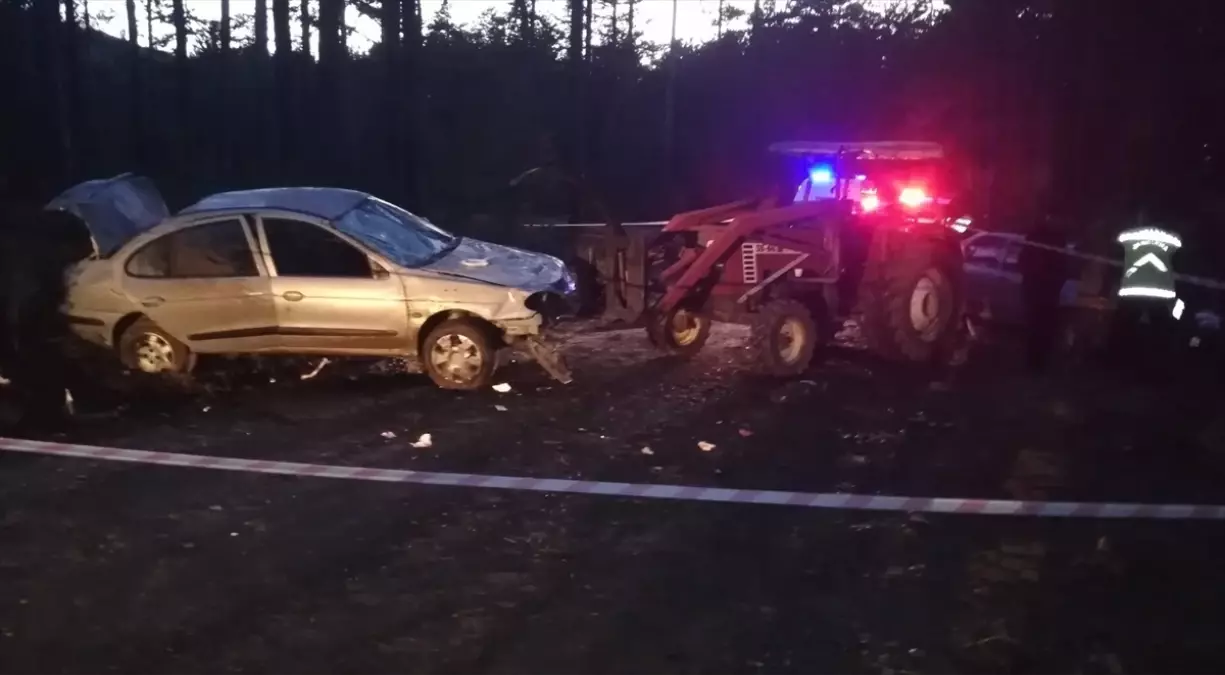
x=1148, y=302
x=1147, y=271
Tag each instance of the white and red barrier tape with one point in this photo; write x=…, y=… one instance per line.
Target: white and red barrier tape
x=994, y=507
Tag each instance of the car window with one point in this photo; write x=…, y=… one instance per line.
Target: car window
x=211, y=250
x=985, y=251
x=304, y=250
x=402, y=237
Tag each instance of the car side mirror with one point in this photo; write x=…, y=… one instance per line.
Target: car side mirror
x=378, y=272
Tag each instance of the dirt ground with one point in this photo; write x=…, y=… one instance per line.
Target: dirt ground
x=108, y=567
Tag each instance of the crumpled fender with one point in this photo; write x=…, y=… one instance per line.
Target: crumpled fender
x=504, y=307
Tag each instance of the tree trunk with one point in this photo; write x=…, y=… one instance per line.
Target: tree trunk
x=612, y=33
x=182, y=86
x=413, y=110
x=70, y=97
x=49, y=117
x=135, y=94
x=574, y=66
x=261, y=27
x=225, y=28
x=331, y=16
x=328, y=114
x=629, y=23
x=150, y=7
x=305, y=19
x=392, y=95
x=670, y=116
x=587, y=16
x=225, y=136
x=282, y=82
x=519, y=15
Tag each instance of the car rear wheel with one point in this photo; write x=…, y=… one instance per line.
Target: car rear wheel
x=146, y=347
x=459, y=354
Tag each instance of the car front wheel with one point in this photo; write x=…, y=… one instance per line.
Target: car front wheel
x=146, y=347
x=459, y=354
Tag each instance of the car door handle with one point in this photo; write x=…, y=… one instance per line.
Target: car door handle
x=292, y=296
x=153, y=301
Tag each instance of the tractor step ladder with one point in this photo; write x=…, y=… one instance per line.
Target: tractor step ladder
x=748, y=262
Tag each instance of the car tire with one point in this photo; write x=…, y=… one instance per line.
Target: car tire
x=459, y=354
x=783, y=338
x=146, y=347
x=681, y=332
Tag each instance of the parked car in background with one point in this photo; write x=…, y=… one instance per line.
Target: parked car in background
x=321, y=271
x=993, y=278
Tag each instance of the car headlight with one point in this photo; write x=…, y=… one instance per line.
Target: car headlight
x=567, y=284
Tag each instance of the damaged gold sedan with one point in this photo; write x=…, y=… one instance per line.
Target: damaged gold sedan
x=303, y=271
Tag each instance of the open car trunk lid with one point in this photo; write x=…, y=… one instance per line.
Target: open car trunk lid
x=114, y=209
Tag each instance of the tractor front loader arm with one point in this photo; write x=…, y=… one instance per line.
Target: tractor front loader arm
x=742, y=226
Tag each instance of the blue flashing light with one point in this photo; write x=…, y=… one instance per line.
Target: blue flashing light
x=821, y=175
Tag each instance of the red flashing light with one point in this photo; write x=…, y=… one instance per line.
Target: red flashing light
x=913, y=197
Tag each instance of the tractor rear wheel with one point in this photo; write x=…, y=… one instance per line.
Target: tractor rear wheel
x=913, y=302
x=682, y=331
x=783, y=338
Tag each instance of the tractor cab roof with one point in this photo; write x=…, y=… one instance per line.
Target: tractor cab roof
x=861, y=150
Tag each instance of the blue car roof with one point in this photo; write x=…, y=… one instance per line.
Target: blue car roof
x=327, y=203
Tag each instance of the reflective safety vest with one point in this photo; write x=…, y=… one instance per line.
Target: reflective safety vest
x=1147, y=270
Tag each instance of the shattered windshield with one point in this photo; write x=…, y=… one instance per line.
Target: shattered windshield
x=402, y=237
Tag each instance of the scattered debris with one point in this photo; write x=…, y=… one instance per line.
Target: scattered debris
x=69, y=406
x=388, y=434
x=501, y=387
x=206, y=408
x=500, y=408
x=4, y=381
x=646, y=450
x=214, y=507
x=745, y=433
x=323, y=362
x=424, y=442
x=705, y=447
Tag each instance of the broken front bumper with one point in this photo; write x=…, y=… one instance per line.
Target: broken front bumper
x=524, y=336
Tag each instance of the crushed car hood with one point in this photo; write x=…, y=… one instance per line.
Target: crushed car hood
x=114, y=209
x=501, y=265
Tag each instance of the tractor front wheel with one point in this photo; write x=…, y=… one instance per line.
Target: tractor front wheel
x=682, y=331
x=783, y=338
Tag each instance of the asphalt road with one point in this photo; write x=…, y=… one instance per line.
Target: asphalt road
x=108, y=567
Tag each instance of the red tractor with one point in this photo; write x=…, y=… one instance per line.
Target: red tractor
x=866, y=235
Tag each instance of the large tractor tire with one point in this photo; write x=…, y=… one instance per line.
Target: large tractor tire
x=783, y=338
x=912, y=300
